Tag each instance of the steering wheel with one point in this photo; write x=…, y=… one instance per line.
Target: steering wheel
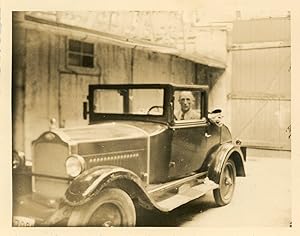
x=153, y=107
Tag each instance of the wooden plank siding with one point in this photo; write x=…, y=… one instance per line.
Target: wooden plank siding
x=73, y=91
x=261, y=30
x=262, y=71
x=261, y=123
x=46, y=89
x=37, y=81
x=18, y=87
x=261, y=86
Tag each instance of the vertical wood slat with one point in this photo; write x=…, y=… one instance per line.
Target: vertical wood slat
x=114, y=62
x=74, y=90
x=18, y=86
x=150, y=67
x=53, y=79
x=36, y=86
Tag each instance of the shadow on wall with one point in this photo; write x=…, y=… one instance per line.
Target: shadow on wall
x=214, y=76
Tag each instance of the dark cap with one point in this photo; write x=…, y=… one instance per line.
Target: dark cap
x=216, y=111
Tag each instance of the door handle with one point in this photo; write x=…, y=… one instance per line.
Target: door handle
x=207, y=135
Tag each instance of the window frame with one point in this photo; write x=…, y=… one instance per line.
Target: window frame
x=96, y=117
x=126, y=102
x=202, y=105
x=95, y=70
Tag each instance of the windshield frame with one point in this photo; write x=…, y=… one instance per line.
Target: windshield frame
x=203, y=90
x=96, y=116
x=168, y=103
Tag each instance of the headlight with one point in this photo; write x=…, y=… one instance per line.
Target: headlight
x=74, y=165
x=18, y=159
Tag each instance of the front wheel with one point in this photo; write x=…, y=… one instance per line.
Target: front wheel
x=224, y=193
x=113, y=207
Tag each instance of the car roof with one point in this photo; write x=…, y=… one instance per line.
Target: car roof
x=152, y=85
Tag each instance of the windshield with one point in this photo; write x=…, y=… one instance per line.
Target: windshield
x=137, y=101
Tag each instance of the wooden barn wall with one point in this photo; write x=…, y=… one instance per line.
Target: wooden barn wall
x=261, y=84
x=36, y=107
x=114, y=67
x=45, y=89
x=18, y=87
x=153, y=67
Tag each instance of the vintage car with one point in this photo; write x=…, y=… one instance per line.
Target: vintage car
x=135, y=153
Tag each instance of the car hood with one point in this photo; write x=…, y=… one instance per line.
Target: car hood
x=110, y=131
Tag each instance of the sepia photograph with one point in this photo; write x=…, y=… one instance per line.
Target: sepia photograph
x=151, y=118
x=146, y=118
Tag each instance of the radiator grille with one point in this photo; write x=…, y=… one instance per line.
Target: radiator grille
x=49, y=159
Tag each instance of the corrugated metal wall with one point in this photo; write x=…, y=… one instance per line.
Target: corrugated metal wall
x=261, y=85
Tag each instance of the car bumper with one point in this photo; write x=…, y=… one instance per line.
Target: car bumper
x=36, y=210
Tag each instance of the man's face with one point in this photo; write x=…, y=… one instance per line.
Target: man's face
x=186, y=101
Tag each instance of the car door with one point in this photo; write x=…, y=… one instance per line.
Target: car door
x=188, y=147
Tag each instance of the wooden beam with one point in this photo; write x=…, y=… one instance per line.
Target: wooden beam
x=261, y=45
x=254, y=96
x=265, y=146
x=43, y=24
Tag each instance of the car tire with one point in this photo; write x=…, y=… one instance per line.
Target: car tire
x=224, y=193
x=112, y=207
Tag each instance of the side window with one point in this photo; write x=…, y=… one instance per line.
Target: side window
x=187, y=105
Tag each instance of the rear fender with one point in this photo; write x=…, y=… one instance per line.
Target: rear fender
x=220, y=156
x=89, y=184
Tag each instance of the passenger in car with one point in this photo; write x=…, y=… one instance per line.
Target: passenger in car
x=186, y=101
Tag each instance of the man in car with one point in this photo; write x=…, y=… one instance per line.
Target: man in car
x=186, y=101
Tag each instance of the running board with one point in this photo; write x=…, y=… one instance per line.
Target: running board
x=186, y=194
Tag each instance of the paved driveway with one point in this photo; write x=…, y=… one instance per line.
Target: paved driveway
x=261, y=199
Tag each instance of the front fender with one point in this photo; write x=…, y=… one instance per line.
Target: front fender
x=84, y=187
x=220, y=156
x=90, y=183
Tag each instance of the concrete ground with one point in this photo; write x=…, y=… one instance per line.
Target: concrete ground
x=262, y=199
